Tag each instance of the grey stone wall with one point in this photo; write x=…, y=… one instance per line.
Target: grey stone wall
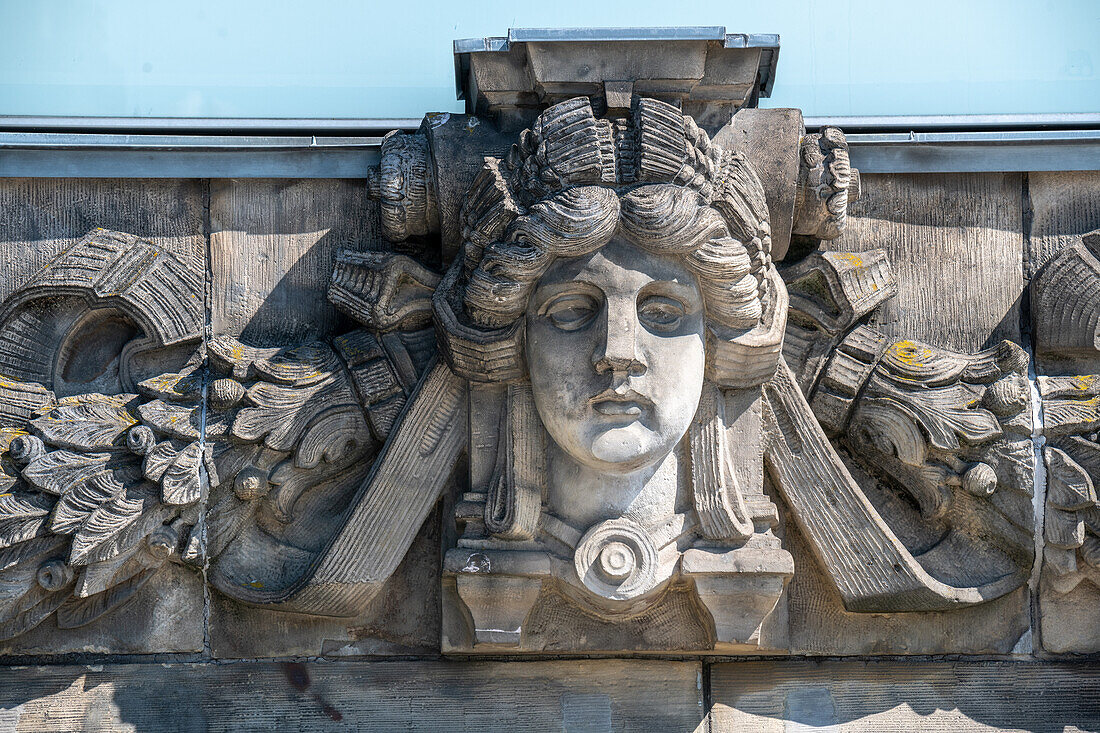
x=179, y=656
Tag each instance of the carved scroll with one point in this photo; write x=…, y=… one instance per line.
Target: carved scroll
x=871, y=568
x=1065, y=298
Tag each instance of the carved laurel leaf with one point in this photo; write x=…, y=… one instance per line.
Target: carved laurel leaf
x=77, y=611
x=160, y=458
x=179, y=421
x=99, y=576
x=1070, y=487
x=22, y=517
x=33, y=548
x=133, y=534
x=56, y=471
x=230, y=356
x=281, y=414
x=180, y=483
x=945, y=414
x=87, y=426
x=104, y=524
x=32, y=609
x=299, y=366
x=83, y=499
x=175, y=387
x=24, y=603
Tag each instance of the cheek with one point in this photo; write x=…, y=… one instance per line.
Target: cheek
x=674, y=379
x=560, y=366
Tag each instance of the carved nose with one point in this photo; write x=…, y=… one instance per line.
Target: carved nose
x=620, y=348
x=633, y=367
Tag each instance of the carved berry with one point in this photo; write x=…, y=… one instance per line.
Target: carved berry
x=251, y=483
x=25, y=449
x=980, y=479
x=54, y=575
x=225, y=393
x=140, y=440
x=162, y=542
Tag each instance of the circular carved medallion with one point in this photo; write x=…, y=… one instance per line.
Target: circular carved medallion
x=617, y=559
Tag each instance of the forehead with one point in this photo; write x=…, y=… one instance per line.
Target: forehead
x=618, y=265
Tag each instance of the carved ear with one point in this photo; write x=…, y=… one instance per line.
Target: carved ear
x=516, y=490
x=717, y=497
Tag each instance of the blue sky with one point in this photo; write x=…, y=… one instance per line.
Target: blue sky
x=339, y=58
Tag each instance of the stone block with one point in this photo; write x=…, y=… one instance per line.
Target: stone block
x=410, y=696
x=898, y=696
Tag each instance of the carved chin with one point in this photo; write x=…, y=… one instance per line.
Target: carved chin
x=627, y=448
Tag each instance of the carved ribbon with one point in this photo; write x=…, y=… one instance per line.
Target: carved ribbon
x=871, y=568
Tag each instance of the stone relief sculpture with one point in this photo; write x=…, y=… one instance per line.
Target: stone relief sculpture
x=608, y=334
x=244, y=467
x=1066, y=307
x=637, y=388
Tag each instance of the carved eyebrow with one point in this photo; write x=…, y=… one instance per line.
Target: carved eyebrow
x=688, y=295
x=545, y=293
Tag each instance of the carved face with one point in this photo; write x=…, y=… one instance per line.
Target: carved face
x=615, y=348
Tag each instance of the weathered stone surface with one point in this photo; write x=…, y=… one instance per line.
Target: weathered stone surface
x=165, y=616
x=820, y=625
x=402, y=619
x=898, y=696
x=51, y=336
x=413, y=696
x=1064, y=206
x=1066, y=325
x=955, y=243
x=43, y=217
x=273, y=245
x=589, y=383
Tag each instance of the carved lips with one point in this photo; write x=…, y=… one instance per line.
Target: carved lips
x=625, y=404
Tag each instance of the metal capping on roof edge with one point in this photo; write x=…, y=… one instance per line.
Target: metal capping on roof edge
x=769, y=59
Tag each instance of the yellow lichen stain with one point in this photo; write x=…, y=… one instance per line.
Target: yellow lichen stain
x=911, y=353
x=853, y=259
x=1084, y=382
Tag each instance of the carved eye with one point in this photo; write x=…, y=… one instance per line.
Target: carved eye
x=572, y=311
x=661, y=313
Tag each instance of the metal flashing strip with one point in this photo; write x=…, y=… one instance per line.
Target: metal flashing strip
x=98, y=155
x=976, y=151
x=132, y=155
x=767, y=42
x=882, y=123
x=295, y=126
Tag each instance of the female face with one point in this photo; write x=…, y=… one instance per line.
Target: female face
x=615, y=352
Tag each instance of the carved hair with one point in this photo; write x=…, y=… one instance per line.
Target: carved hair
x=660, y=218
x=573, y=182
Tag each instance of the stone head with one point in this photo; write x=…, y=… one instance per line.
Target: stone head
x=620, y=266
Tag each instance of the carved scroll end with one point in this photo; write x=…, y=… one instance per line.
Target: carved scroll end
x=827, y=184
x=1065, y=297
x=404, y=186
x=383, y=291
